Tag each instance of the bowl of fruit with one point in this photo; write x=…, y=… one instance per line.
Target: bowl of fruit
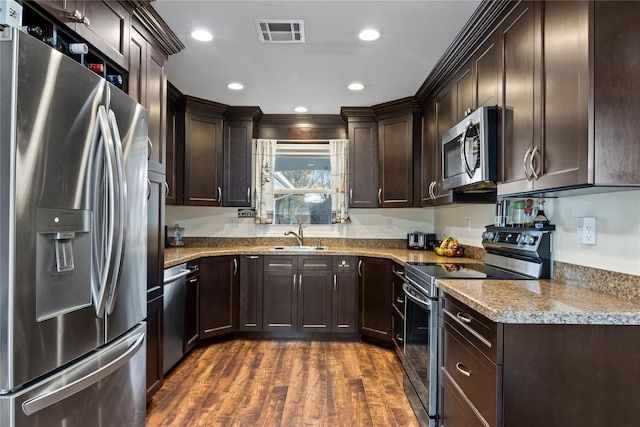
x=449, y=247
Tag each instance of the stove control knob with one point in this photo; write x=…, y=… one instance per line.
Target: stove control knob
x=526, y=239
x=488, y=235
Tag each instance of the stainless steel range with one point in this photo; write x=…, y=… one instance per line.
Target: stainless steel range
x=511, y=254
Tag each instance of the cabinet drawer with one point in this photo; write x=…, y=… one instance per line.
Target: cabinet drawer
x=194, y=267
x=311, y=262
x=344, y=263
x=476, y=328
x=280, y=262
x=475, y=375
x=455, y=410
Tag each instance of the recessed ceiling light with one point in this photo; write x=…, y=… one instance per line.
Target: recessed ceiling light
x=235, y=86
x=202, y=35
x=301, y=109
x=356, y=86
x=369, y=35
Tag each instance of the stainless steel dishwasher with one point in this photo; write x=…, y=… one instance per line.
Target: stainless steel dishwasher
x=174, y=305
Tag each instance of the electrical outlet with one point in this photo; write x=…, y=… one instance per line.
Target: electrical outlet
x=587, y=230
x=389, y=224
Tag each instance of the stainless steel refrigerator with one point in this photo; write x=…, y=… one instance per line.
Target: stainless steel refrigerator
x=73, y=177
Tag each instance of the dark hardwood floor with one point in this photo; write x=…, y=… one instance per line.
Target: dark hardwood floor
x=284, y=383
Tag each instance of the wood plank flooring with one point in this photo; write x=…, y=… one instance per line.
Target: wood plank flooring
x=284, y=383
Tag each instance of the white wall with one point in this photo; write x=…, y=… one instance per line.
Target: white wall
x=617, y=215
x=365, y=223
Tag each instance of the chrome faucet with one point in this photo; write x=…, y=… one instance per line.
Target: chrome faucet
x=299, y=237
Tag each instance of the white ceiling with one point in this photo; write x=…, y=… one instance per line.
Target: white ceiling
x=279, y=77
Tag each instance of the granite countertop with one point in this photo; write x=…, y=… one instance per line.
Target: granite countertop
x=175, y=256
x=542, y=302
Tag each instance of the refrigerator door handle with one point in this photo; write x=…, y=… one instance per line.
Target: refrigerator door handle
x=50, y=398
x=102, y=136
x=121, y=208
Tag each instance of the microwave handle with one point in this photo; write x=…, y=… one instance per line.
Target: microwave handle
x=463, y=143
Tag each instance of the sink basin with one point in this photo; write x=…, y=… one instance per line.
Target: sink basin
x=299, y=248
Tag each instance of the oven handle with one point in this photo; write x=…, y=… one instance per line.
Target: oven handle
x=426, y=304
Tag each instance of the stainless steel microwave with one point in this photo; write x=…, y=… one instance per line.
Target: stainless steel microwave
x=470, y=152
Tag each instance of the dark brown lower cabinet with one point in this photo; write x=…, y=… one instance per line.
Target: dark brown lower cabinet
x=155, y=375
x=218, y=296
x=345, y=295
x=527, y=375
x=297, y=293
x=250, y=296
x=374, y=304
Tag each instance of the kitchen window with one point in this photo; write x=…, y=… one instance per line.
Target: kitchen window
x=300, y=182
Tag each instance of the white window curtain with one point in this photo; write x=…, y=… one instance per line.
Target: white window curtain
x=264, y=162
x=339, y=152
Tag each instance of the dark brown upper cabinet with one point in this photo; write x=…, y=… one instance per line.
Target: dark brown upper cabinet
x=175, y=146
x=239, y=131
x=203, y=140
x=363, y=156
x=398, y=127
x=104, y=24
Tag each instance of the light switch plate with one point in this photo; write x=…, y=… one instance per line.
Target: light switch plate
x=587, y=230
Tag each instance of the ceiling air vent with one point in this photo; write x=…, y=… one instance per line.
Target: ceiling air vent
x=280, y=30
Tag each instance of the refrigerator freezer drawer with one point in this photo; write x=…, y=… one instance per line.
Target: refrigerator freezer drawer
x=107, y=388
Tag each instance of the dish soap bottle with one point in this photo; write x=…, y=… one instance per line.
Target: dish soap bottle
x=541, y=219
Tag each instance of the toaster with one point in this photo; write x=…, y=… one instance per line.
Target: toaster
x=419, y=240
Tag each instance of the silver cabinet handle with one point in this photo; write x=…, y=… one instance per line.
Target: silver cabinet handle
x=219, y=194
x=533, y=169
x=463, y=369
x=335, y=280
x=235, y=266
x=249, y=195
x=524, y=164
x=463, y=317
x=431, y=190
x=300, y=283
x=294, y=281
x=359, y=265
x=351, y=195
x=166, y=188
x=399, y=338
x=194, y=280
x=252, y=256
x=400, y=300
x=379, y=196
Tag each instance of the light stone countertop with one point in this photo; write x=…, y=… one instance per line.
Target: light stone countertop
x=506, y=301
x=541, y=302
x=175, y=256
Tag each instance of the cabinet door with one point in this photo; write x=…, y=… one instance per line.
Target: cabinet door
x=565, y=146
x=148, y=86
x=375, y=297
x=314, y=301
x=155, y=375
x=428, y=164
x=250, y=298
x=363, y=164
x=487, y=73
x=520, y=41
x=203, y=160
x=155, y=234
x=345, y=294
x=174, y=146
x=192, y=314
x=464, y=90
x=444, y=121
x=218, y=296
x=279, y=300
x=237, y=164
x=395, y=159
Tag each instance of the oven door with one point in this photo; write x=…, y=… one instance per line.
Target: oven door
x=421, y=348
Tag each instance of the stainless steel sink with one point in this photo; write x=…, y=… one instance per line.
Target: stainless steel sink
x=299, y=248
